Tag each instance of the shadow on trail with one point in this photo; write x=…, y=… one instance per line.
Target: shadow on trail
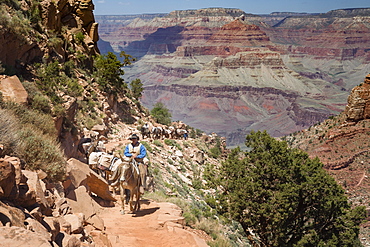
x=146, y=211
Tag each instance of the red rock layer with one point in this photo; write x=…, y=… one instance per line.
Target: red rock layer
x=237, y=32
x=340, y=38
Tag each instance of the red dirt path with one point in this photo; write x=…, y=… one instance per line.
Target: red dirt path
x=155, y=225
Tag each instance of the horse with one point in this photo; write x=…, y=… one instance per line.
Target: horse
x=157, y=132
x=145, y=130
x=128, y=177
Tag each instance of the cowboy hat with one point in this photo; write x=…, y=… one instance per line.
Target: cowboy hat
x=133, y=136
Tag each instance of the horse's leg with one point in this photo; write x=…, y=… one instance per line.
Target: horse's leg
x=132, y=208
x=128, y=195
x=137, y=203
x=123, y=198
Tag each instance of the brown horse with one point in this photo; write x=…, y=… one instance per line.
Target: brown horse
x=131, y=183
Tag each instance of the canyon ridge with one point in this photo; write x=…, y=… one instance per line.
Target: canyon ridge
x=229, y=72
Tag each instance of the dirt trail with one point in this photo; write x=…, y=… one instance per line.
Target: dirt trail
x=155, y=225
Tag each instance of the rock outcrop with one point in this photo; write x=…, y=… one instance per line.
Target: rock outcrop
x=35, y=212
x=12, y=90
x=358, y=107
x=22, y=45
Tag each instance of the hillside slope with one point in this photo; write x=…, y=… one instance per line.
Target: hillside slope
x=342, y=144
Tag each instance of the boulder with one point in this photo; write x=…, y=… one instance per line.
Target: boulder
x=7, y=180
x=179, y=154
x=96, y=222
x=11, y=216
x=81, y=175
x=199, y=157
x=66, y=240
x=52, y=225
x=65, y=226
x=81, y=202
x=75, y=221
x=100, y=238
x=101, y=129
x=19, y=236
x=35, y=191
x=16, y=162
x=35, y=226
x=61, y=207
x=13, y=90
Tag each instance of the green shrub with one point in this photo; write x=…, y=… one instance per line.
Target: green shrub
x=190, y=219
x=15, y=22
x=36, y=99
x=108, y=71
x=186, y=144
x=54, y=82
x=158, y=143
x=161, y=114
x=26, y=137
x=136, y=88
x=8, y=129
x=171, y=142
x=80, y=37
x=216, y=151
x=38, y=120
x=41, y=103
x=41, y=152
x=55, y=41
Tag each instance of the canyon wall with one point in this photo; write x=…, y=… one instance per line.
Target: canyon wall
x=193, y=61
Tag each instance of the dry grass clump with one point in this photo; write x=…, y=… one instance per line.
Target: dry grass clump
x=30, y=136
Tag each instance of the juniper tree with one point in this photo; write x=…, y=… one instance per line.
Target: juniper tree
x=161, y=113
x=285, y=197
x=136, y=88
x=108, y=71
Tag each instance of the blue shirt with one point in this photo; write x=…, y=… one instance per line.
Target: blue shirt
x=142, y=151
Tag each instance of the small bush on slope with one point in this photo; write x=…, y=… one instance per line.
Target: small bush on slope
x=31, y=141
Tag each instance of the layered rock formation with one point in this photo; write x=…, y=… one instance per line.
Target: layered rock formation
x=358, y=107
x=175, y=29
x=315, y=57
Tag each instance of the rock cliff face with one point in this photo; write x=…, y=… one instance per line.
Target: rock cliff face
x=176, y=28
x=358, y=107
x=324, y=38
x=232, y=110
x=34, y=33
x=315, y=57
